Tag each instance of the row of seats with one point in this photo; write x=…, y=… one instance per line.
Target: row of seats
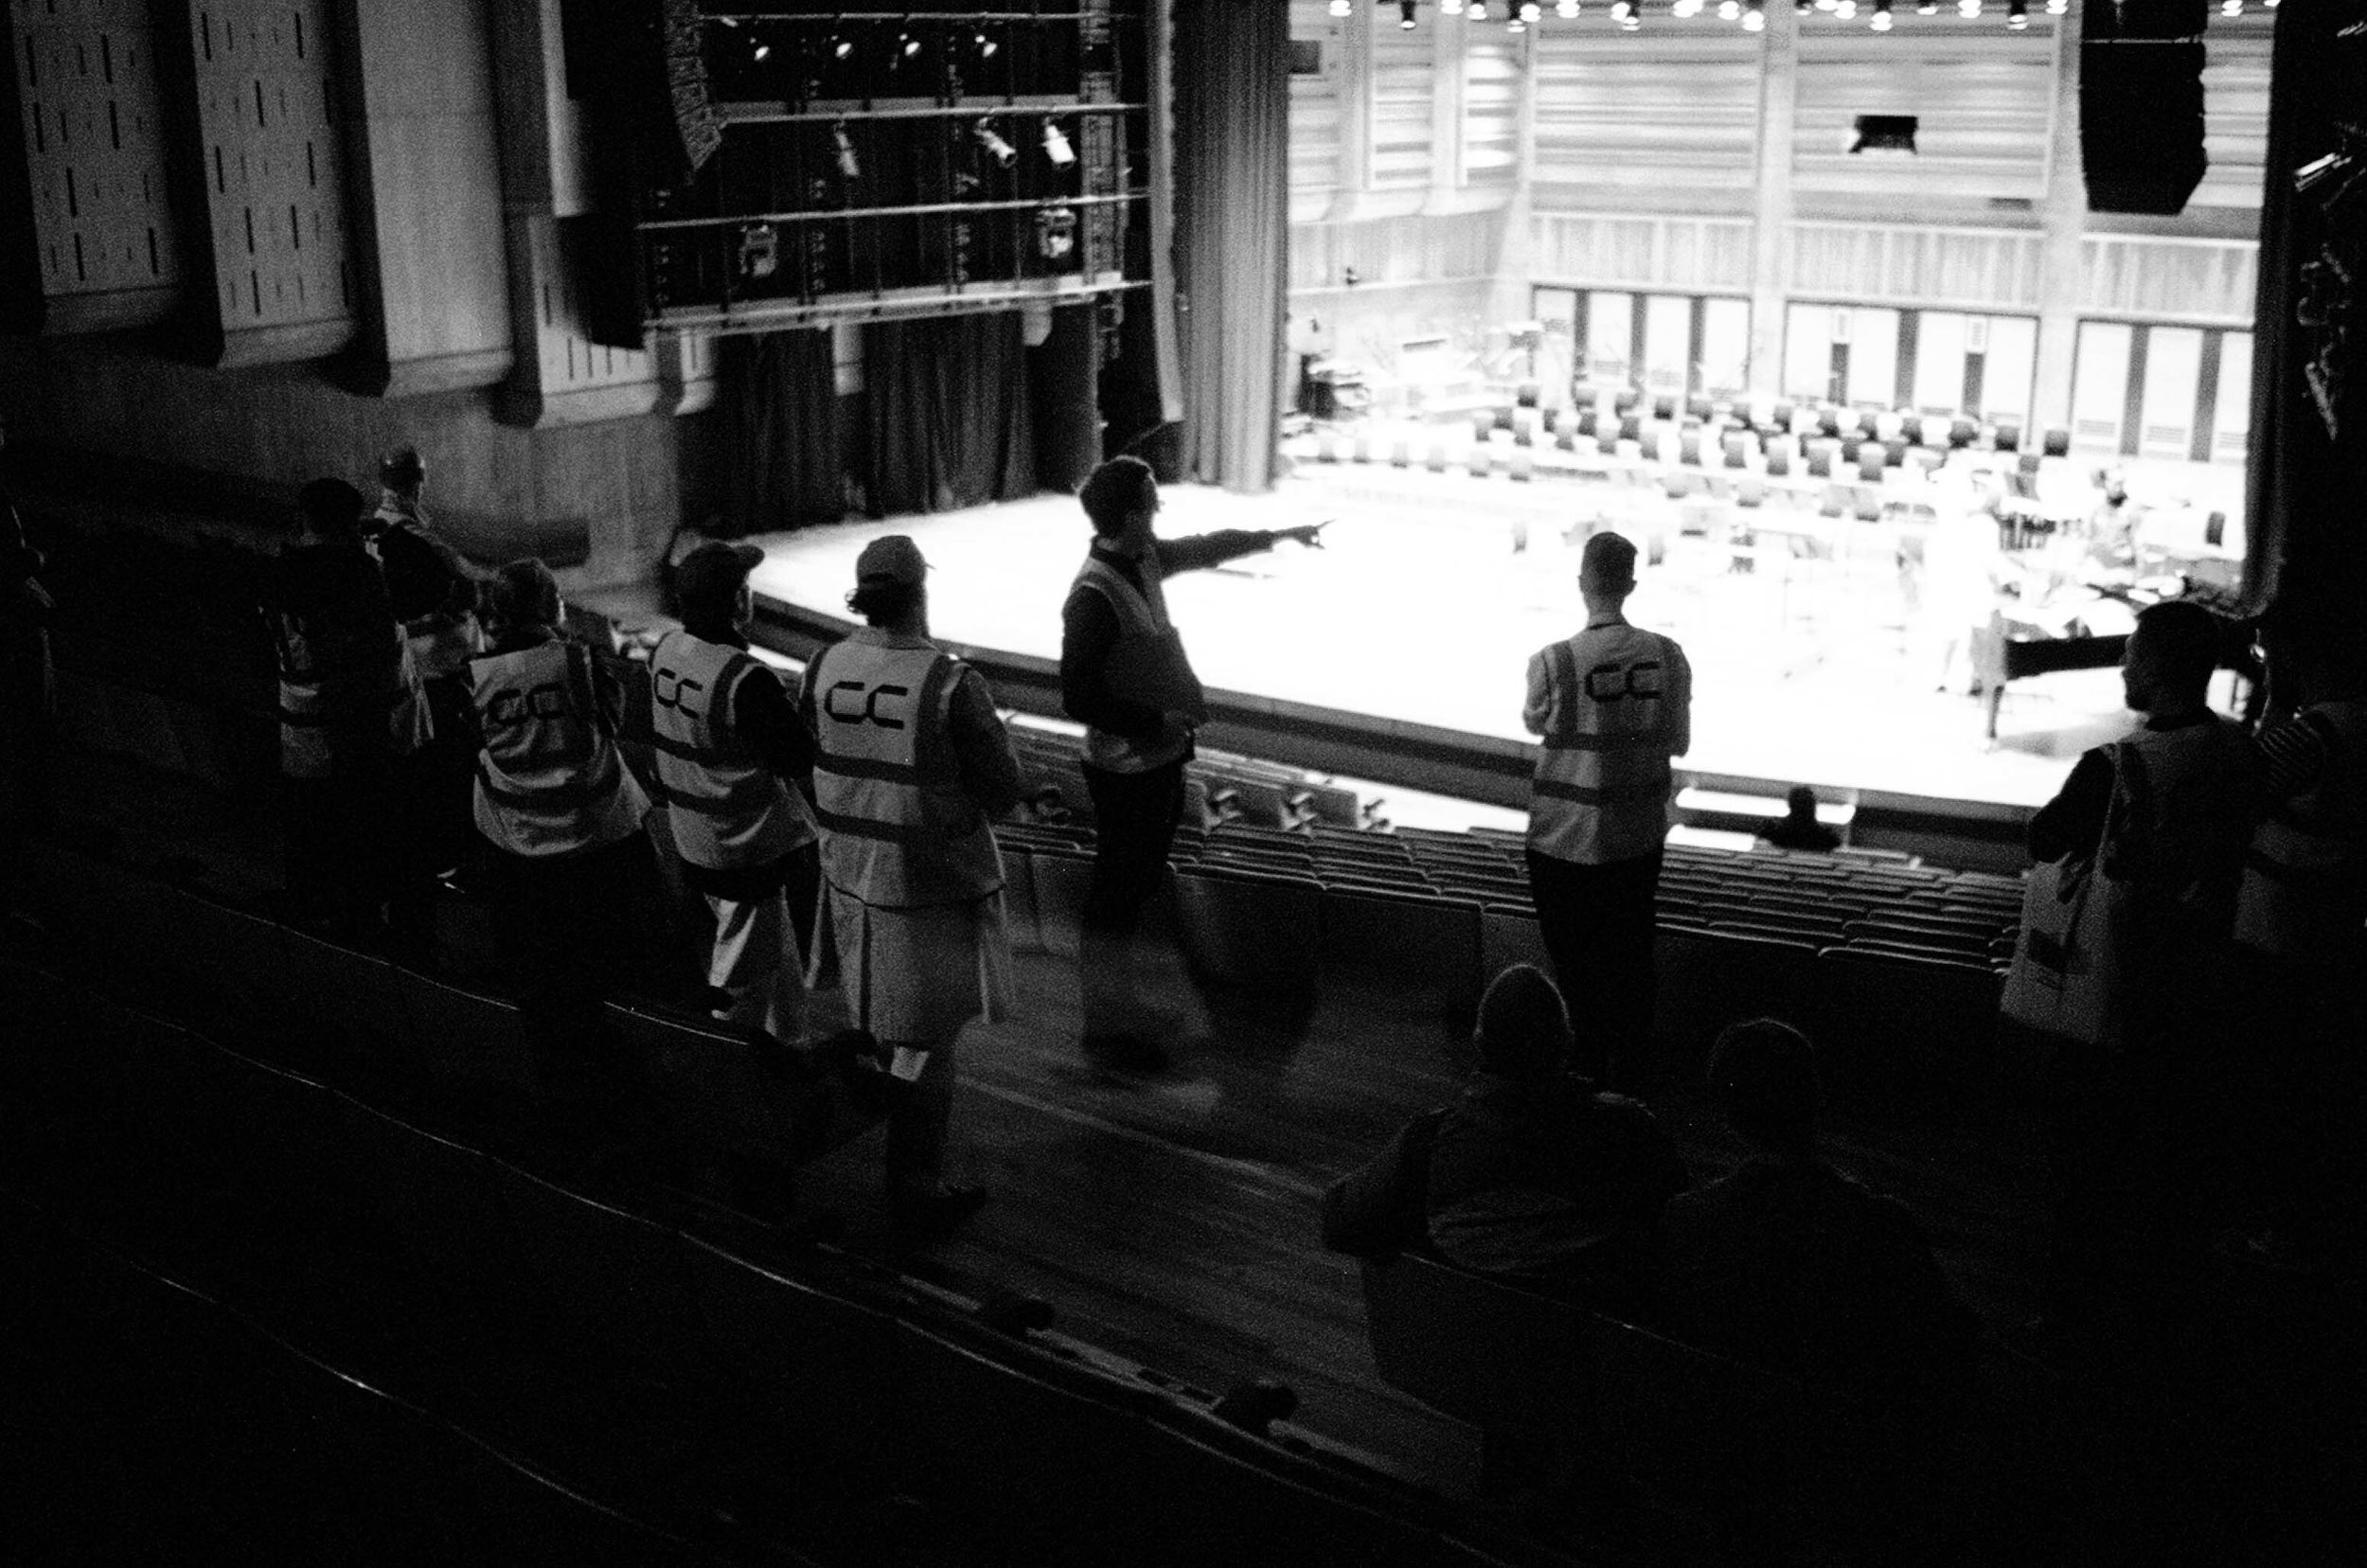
x=844, y=1397
x=1896, y=968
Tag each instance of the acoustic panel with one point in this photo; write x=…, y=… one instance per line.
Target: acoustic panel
x=273, y=178
x=102, y=242
x=1660, y=111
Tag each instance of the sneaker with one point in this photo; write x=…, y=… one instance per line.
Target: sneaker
x=1123, y=1053
x=928, y=1216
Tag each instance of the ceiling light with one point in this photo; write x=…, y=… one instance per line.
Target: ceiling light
x=1056, y=145
x=1754, y=16
x=1405, y=15
x=1002, y=152
x=844, y=150
x=1341, y=8
x=1566, y=9
x=1531, y=10
x=1729, y=10
x=2017, y=15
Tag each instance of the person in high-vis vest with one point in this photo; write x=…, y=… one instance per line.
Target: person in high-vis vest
x=557, y=806
x=911, y=760
x=351, y=710
x=2301, y=949
x=435, y=590
x=1609, y=707
x=2131, y=1117
x=1125, y=676
x=730, y=750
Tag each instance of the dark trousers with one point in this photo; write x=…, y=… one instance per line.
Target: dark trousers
x=1134, y=822
x=1596, y=923
x=573, y=929
x=343, y=847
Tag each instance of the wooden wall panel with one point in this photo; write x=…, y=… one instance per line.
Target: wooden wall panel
x=1691, y=253
x=2204, y=281
x=1920, y=265
x=2235, y=111
x=103, y=243
x=272, y=176
x=1982, y=96
x=1666, y=109
x=1404, y=84
x=1387, y=251
x=1316, y=113
x=1491, y=105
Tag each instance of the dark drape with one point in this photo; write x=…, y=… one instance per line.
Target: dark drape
x=783, y=465
x=950, y=414
x=2305, y=550
x=1232, y=216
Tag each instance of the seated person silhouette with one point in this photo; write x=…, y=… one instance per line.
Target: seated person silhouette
x=1800, y=829
x=1532, y=1175
x=1788, y=1263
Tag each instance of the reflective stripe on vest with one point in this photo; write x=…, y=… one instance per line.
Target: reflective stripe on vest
x=1602, y=779
x=1147, y=666
x=898, y=832
x=308, y=714
x=2305, y=887
x=550, y=781
x=728, y=808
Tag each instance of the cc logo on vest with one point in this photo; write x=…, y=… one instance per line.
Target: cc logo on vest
x=1611, y=683
x=668, y=690
x=511, y=708
x=866, y=711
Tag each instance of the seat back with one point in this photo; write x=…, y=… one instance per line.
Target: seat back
x=1496, y=1357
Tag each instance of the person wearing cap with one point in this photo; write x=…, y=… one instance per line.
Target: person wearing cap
x=1532, y=1175
x=911, y=760
x=1610, y=707
x=1125, y=676
x=1798, y=829
x=730, y=750
x=351, y=709
x=433, y=589
x=557, y=806
x=1790, y=1264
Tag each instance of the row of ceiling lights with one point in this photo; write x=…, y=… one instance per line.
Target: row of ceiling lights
x=1750, y=13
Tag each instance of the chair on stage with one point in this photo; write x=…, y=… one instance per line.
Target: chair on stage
x=1872, y=458
x=1821, y=452
x=2009, y=438
x=1480, y=458
x=2057, y=443
x=1828, y=420
x=1887, y=425
x=1689, y=446
x=1665, y=406
x=1736, y=445
x=1779, y=457
x=1962, y=433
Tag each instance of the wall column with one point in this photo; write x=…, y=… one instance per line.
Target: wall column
x=2063, y=255
x=1516, y=254
x=1770, y=213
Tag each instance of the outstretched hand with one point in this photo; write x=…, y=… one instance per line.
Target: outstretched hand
x=1311, y=534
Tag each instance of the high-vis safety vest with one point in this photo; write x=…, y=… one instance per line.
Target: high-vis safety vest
x=896, y=830
x=1602, y=779
x=1148, y=666
x=442, y=640
x=2305, y=888
x=729, y=808
x=549, y=779
x=346, y=691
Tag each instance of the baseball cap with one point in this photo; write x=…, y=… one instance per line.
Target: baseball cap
x=891, y=558
x=709, y=577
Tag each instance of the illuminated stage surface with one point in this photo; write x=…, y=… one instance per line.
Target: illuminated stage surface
x=1418, y=609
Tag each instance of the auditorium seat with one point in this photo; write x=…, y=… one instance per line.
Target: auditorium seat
x=1061, y=882
x=1417, y=945
x=1258, y=931
x=1884, y=1018
x=438, y=1202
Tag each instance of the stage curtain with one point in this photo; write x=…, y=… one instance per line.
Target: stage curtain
x=1232, y=213
x=784, y=459
x=950, y=414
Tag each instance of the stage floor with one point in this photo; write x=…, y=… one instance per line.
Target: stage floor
x=1419, y=609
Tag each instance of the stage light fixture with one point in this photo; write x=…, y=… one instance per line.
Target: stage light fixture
x=842, y=47
x=1002, y=152
x=1056, y=145
x=1754, y=16
x=2018, y=15
x=1405, y=15
x=843, y=148
x=986, y=47
x=760, y=52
